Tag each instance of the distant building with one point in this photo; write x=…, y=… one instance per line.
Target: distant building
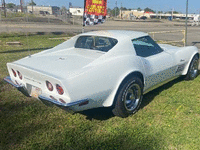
x=128, y=14
x=15, y=9
x=76, y=11
x=148, y=14
x=175, y=16
x=50, y=10
x=19, y=9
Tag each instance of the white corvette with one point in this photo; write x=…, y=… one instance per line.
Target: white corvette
x=102, y=69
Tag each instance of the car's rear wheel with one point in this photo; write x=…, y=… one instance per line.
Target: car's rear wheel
x=128, y=98
x=193, y=69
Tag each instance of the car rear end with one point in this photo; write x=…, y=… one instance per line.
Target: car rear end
x=41, y=85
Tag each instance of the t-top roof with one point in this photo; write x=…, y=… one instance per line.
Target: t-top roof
x=118, y=34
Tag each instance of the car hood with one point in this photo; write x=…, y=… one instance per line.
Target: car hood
x=60, y=63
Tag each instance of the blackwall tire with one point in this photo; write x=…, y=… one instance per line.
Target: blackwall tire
x=128, y=98
x=193, y=69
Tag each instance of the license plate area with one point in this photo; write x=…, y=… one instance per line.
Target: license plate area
x=35, y=91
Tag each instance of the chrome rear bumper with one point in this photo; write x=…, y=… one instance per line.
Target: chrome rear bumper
x=21, y=88
x=50, y=101
x=46, y=100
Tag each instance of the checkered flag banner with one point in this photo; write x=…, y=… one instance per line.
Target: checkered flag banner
x=94, y=12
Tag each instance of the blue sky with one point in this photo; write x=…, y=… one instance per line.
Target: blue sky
x=157, y=5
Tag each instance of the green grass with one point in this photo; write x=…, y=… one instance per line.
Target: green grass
x=14, y=15
x=169, y=117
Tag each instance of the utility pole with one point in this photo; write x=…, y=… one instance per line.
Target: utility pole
x=0, y=14
x=32, y=5
x=121, y=11
x=21, y=4
x=172, y=13
x=186, y=20
x=4, y=7
x=160, y=15
x=115, y=8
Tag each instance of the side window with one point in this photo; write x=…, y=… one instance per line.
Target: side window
x=84, y=42
x=145, y=46
x=104, y=44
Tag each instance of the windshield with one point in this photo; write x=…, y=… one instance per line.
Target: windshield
x=95, y=43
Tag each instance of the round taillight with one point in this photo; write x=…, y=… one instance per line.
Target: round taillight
x=59, y=89
x=49, y=86
x=53, y=98
x=19, y=74
x=14, y=73
x=62, y=100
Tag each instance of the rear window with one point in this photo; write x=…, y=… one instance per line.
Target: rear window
x=96, y=43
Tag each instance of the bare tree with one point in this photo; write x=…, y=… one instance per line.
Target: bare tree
x=63, y=10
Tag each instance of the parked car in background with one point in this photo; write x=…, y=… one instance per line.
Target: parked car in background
x=143, y=18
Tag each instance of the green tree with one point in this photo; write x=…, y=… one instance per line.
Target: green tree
x=10, y=5
x=139, y=9
x=174, y=12
x=149, y=10
x=123, y=8
x=111, y=12
x=115, y=11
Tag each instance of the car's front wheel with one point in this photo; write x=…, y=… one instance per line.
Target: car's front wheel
x=128, y=98
x=193, y=69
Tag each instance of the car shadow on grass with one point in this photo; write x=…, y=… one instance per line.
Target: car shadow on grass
x=103, y=113
x=147, y=98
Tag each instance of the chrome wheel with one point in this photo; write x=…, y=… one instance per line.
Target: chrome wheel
x=194, y=68
x=132, y=97
x=128, y=97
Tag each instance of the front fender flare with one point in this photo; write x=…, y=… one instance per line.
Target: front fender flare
x=111, y=99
